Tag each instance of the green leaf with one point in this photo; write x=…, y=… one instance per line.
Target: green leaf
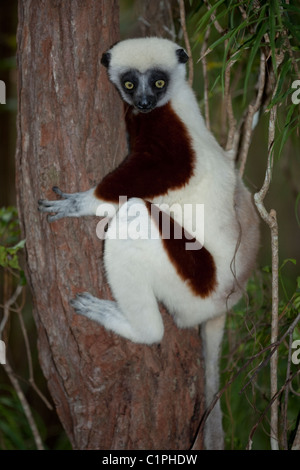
x=208, y=14
x=288, y=129
x=9, y=256
x=3, y=256
x=267, y=269
x=279, y=95
x=278, y=12
x=272, y=31
x=20, y=245
x=252, y=55
x=296, y=302
x=288, y=260
x=296, y=334
x=13, y=262
x=23, y=280
x=293, y=29
x=292, y=8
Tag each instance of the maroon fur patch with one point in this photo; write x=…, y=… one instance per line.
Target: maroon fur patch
x=161, y=157
x=195, y=267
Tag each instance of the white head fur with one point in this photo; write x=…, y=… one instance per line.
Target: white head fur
x=142, y=56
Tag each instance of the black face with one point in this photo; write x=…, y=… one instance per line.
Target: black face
x=144, y=90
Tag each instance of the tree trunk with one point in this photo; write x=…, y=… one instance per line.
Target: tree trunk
x=109, y=393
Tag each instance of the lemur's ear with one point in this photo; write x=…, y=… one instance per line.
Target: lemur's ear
x=182, y=56
x=105, y=59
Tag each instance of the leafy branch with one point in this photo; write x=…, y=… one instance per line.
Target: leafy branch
x=260, y=47
x=10, y=250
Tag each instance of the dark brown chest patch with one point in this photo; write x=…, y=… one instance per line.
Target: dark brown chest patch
x=161, y=157
x=196, y=267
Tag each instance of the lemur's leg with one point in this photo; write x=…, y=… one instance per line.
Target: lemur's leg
x=131, y=261
x=212, y=334
x=76, y=205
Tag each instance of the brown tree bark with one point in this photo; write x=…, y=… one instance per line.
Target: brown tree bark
x=109, y=393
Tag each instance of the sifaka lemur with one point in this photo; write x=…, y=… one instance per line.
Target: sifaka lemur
x=156, y=249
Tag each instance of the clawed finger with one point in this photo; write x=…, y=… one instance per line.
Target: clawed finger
x=59, y=192
x=53, y=218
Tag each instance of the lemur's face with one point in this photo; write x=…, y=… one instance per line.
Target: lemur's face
x=144, y=91
x=145, y=71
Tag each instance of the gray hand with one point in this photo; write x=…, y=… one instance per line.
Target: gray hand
x=68, y=206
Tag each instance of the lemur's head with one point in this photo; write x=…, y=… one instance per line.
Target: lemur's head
x=145, y=70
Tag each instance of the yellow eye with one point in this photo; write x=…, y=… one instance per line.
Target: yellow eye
x=160, y=83
x=129, y=85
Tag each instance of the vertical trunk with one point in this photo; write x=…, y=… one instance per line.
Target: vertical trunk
x=109, y=393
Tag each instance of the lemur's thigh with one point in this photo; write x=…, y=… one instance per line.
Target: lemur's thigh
x=132, y=263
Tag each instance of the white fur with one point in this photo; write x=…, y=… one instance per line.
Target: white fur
x=142, y=55
x=138, y=269
x=140, y=272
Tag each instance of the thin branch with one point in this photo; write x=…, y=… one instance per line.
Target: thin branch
x=228, y=102
x=289, y=47
x=205, y=78
x=286, y=395
x=217, y=25
x=7, y=305
x=243, y=13
x=291, y=54
x=273, y=400
x=271, y=221
x=25, y=406
x=296, y=443
x=29, y=359
x=186, y=40
x=273, y=347
x=253, y=108
x=220, y=393
x=7, y=308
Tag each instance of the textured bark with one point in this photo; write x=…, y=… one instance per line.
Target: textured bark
x=109, y=393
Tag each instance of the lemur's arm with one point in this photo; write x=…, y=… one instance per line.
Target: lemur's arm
x=141, y=175
x=152, y=168
x=138, y=176
x=75, y=205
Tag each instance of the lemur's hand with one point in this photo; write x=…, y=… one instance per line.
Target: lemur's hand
x=75, y=205
x=68, y=206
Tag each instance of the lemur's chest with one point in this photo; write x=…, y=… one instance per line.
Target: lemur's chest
x=161, y=158
x=162, y=137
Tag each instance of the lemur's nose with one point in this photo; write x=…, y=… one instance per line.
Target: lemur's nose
x=145, y=103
